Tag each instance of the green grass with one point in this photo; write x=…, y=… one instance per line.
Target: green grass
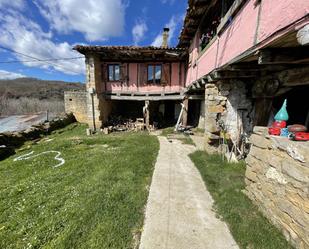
x=186, y=140
x=169, y=132
x=225, y=182
x=95, y=200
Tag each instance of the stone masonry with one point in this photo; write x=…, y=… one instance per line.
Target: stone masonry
x=277, y=179
x=227, y=102
x=76, y=103
x=98, y=108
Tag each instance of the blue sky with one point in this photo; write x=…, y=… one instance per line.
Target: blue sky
x=47, y=30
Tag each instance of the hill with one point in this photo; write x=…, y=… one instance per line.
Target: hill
x=36, y=88
x=30, y=95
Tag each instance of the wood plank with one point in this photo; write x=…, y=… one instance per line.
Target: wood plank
x=144, y=98
x=289, y=55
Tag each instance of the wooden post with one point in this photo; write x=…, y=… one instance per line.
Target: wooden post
x=262, y=110
x=147, y=114
x=185, y=112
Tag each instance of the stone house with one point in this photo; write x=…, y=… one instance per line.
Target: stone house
x=133, y=81
x=247, y=56
x=236, y=61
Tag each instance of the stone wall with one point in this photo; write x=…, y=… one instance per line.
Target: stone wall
x=227, y=102
x=76, y=103
x=9, y=141
x=277, y=179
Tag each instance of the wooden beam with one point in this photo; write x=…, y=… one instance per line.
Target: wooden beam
x=203, y=81
x=288, y=55
x=143, y=98
x=247, y=66
x=294, y=77
x=226, y=74
x=197, y=84
x=197, y=97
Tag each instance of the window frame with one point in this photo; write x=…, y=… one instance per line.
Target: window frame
x=154, y=80
x=114, y=70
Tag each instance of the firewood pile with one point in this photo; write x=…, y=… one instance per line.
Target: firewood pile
x=118, y=123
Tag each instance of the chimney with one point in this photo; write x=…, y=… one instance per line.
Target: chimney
x=165, y=38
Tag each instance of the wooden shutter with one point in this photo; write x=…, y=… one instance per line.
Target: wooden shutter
x=165, y=78
x=124, y=73
x=142, y=74
x=104, y=72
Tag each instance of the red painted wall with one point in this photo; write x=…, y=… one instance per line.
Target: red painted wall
x=240, y=35
x=135, y=84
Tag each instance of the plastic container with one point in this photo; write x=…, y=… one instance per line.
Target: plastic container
x=282, y=114
x=279, y=124
x=274, y=131
x=284, y=132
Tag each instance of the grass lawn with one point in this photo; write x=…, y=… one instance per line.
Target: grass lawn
x=225, y=182
x=169, y=132
x=94, y=200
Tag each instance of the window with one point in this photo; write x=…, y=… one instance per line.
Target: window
x=154, y=73
x=113, y=72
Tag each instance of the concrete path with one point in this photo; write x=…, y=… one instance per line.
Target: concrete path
x=179, y=209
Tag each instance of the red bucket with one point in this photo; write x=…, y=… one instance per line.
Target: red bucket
x=274, y=131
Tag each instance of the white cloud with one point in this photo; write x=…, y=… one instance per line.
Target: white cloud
x=16, y=4
x=138, y=31
x=25, y=36
x=172, y=25
x=95, y=19
x=6, y=75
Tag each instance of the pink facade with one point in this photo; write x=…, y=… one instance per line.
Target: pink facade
x=137, y=79
x=253, y=27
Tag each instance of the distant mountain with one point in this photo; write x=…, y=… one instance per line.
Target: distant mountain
x=38, y=89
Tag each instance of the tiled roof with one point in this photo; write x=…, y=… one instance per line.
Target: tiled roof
x=195, y=11
x=85, y=48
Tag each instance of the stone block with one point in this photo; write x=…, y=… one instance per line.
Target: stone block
x=220, y=98
x=260, y=130
x=275, y=160
x=295, y=170
x=275, y=175
x=255, y=164
x=212, y=91
x=260, y=141
x=251, y=175
x=294, y=212
x=215, y=109
x=261, y=154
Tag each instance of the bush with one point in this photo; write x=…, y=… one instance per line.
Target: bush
x=11, y=106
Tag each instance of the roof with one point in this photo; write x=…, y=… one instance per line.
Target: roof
x=134, y=52
x=96, y=48
x=195, y=12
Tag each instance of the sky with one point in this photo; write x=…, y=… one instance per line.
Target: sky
x=37, y=36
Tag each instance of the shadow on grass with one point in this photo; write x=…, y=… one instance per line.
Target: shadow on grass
x=225, y=182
